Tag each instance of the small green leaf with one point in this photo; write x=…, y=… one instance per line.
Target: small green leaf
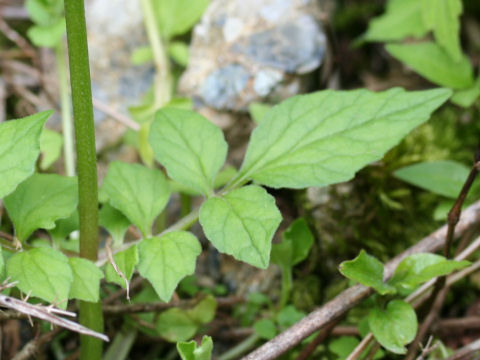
x=467, y=97
x=296, y=244
x=166, y=260
x=42, y=12
x=325, y=137
x=126, y=261
x=258, y=111
x=288, y=316
x=142, y=55
x=191, y=148
x=39, y=201
x=138, y=192
x=368, y=271
x=179, y=52
x=175, y=17
x=443, y=17
x=204, y=311
x=395, y=326
x=190, y=350
x=343, y=346
x=265, y=328
x=402, y=18
x=51, y=147
x=86, y=280
x=433, y=63
x=242, y=224
x=47, y=35
x=42, y=272
x=176, y=325
x=114, y=221
x=419, y=268
x=19, y=149
x=445, y=177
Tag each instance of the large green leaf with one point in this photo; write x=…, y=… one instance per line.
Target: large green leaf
x=191, y=351
x=138, y=192
x=440, y=177
x=433, y=63
x=166, y=260
x=325, y=137
x=175, y=17
x=395, y=326
x=39, y=201
x=419, y=268
x=19, y=149
x=242, y=224
x=42, y=272
x=191, y=148
x=86, y=280
x=401, y=19
x=368, y=271
x=442, y=16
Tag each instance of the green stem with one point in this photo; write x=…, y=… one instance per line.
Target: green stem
x=90, y=313
x=238, y=350
x=67, y=128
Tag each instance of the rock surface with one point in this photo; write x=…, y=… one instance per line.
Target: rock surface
x=253, y=50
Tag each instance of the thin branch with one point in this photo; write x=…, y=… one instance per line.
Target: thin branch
x=349, y=298
x=322, y=335
x=466, y=351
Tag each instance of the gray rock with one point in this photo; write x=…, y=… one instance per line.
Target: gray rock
x=253, y=50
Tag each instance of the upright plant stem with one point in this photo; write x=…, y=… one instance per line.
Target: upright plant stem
x=90, y=313
x=67, y=128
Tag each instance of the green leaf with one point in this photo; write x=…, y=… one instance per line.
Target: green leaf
x=179, y=52
x=343, y=346
x=144, y=148
x=402, y=18
x=288, y=316
x=86, y=280
x=419, y=268
x=443, y=177
x=265, y=328
x=19, y=149
x=126, y=261
x=368, y=271
x=179, y=325
x=64, y=227
x=175, y=17
x=191, y=148
x=176, y=325
x=138, y=192
x=42, y=272
x=43, y=12
x=242, y=224
x=39, y=201
x=433, y=63
x=166, y=260
x=258, y=111
x=443, y=17
x=190, y=350
x=47, y=35
x=50, y=147
x=223, y=177
x=325, y=137
x=142, y=55
x=467, y=97
x=2, y=263
x=114, y=221
x=395, y=326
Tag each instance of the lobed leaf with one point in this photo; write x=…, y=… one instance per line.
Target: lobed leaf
x=395, y=326
x=368, y=271
x=242, y=224
x=166, y=260
x=39, y=201
x=433, y=63
x=325, y=137
x=42, y=272
x=86, y=280
x=190, y=350
x=138, y=192
x=19, y=149
x=190, y=147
